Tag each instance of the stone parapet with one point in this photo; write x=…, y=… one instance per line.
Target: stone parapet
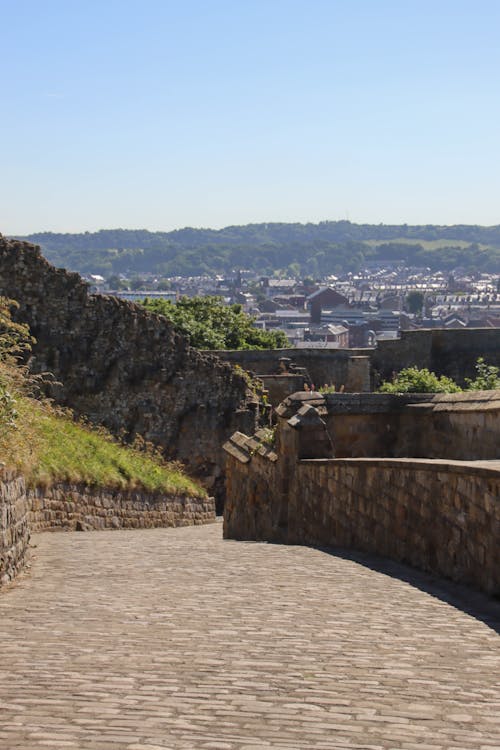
x=438, y=514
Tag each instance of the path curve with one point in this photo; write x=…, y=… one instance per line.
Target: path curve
x=174, y=638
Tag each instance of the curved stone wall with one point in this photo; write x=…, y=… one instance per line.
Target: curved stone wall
x=435, y=514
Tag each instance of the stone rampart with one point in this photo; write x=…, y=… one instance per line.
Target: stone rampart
x=451, y=352
x=14, y=525
x=344, y=368
x=438, y=515
x=124, y=367
x=463, y=426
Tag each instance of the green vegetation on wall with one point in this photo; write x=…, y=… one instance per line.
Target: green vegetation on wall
x=47, y=446
x=415, y=380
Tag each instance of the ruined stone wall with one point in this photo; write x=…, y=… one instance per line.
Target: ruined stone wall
x=124, y=367
x=14, y=527
x=79, y=507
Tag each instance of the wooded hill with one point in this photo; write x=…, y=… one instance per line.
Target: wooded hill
x=294, y=249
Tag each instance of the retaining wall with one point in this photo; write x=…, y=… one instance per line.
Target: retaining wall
x=73, y=507
x=79, y=507
x=14, y=525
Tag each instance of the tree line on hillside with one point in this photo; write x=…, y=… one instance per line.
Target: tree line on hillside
x=292, y=249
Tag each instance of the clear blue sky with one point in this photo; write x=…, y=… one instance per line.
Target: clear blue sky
x=159, y=114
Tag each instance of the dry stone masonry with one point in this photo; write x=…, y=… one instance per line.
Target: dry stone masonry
x=77, y=507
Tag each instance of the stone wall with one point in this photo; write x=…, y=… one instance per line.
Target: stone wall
x=14, y=527
x=438, y=515
x=344, y=368
x=79, y=507
x=124, y=367
x=463, y=426
x=451, y=352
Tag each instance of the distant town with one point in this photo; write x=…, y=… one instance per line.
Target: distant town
x=345, y=311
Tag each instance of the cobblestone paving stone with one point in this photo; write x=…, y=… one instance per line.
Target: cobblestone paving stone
x=174, y=638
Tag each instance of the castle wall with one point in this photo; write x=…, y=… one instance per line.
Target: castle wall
x=440, y=515
x=462, y=426
x=451, y=352
x=124, y=367
x=344, y=368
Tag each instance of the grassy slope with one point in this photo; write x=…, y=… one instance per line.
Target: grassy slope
x=49, y=447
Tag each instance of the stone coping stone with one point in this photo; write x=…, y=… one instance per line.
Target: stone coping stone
x=243, y=448
x=489, y=469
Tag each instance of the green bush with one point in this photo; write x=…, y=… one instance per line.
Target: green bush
x=415, y=380
x=487, y=377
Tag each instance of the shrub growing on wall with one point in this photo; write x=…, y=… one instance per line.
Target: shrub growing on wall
x=415, y=380
x=487, y=377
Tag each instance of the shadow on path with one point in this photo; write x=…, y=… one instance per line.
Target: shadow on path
x=468, y=600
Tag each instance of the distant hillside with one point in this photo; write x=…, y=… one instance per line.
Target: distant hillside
x=297, y=249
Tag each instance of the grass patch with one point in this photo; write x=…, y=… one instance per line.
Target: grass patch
x=47, y=446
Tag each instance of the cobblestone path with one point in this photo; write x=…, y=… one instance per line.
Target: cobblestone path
x=173, y=638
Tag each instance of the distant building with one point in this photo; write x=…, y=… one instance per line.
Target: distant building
x=325, y=297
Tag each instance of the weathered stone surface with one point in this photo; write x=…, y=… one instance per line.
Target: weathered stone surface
x=77, y=507
x=124, y=367
x=173, y=639
x=450, y=352
x=345, y=368
x=438, y=515
x=14, y=526
x=460, y=426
